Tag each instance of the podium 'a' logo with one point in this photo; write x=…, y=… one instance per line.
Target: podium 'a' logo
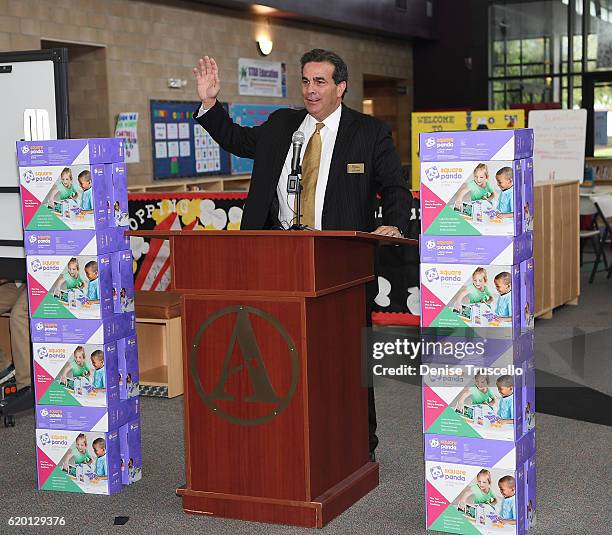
x=251, y=364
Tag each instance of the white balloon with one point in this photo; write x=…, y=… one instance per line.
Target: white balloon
x=219, y=219
x=414, y=301
x=235, y=214
x=384, y=289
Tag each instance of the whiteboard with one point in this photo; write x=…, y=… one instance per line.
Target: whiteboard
x=559, y=144
x=30, y=84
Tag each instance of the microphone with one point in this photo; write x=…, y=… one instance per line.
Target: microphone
x=297, y=140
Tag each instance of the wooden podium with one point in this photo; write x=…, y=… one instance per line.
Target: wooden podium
x=276, y=418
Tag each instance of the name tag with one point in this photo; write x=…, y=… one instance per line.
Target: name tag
x=355, y=168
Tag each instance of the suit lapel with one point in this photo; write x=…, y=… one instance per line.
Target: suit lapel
x=283, y=142
x=343, y=138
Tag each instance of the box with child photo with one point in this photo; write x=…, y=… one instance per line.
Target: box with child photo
x=131, y=452
x=497, y=297
x=482, y=486
x=470, y=145
x=474, y=198
x=70, y=286
x=484, y=250
x=123, y=281
x=70, y=151
x=64, y=197
x=489, y=395
x=77, y=375
x=88, y=418
x=74, y=243
x=118, y=215
x=73, y=461
x=83, y=331
x=129, y=376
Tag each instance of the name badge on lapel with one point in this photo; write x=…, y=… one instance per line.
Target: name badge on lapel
x=355, y=168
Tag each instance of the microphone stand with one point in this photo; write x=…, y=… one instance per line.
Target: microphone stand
x=294, y=185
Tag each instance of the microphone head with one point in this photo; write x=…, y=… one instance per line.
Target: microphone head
x=298, y=137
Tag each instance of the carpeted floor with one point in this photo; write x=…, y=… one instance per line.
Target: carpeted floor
x=573, y=456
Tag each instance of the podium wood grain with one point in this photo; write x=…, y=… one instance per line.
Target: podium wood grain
x=309, y=462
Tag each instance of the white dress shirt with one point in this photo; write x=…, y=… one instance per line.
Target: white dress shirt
x=286, y=214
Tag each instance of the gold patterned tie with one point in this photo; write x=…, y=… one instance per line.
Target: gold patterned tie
x=310, y=174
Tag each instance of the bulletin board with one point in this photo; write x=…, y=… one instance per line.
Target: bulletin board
x=248, y=115
x=181, y=147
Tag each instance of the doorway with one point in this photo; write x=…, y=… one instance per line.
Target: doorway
x=597, y=99
x=389, y=99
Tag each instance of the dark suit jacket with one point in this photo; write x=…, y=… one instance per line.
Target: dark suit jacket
x=349, y=197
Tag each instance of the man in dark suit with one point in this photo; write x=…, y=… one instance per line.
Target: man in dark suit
x=348, y=158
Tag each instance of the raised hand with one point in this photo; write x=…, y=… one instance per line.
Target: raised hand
x=207, y=81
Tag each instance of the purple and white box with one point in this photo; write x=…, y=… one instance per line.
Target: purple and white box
x=84, y=375
x=472, y=198
x=73, y=461
x=118, y=196
x=70, y=286
x=474, y=485
x=70, y=151
x=470, y=145
x=77, y=418
x=123, y=281
x=131, y=452
x=528, y=200
x=74, y=243
x=129, y=376
x=79, y=331
x=63, y=197
x=485, y=250
x=467, y=296
x=488, y=395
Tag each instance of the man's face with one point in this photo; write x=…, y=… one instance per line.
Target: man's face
x=321, y=94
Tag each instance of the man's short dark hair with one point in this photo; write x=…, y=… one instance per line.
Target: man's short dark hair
x=319, y=55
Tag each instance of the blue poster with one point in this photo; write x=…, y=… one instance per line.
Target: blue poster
x=181, y=147
x=249, y=115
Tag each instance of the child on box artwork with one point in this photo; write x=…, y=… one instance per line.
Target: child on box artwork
x=507, y=511
x=477, y=189
x=479, y=492
x=78, y=454
x=64, y=189
x=503, y=285
x=87, y=197
x=99, y=447
x=72, y=277
x=479, y=394
x=76, y=365
x=93, y=286
x=505, y=410
x=505, y=204
x=477, y=291
x=99, y=376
